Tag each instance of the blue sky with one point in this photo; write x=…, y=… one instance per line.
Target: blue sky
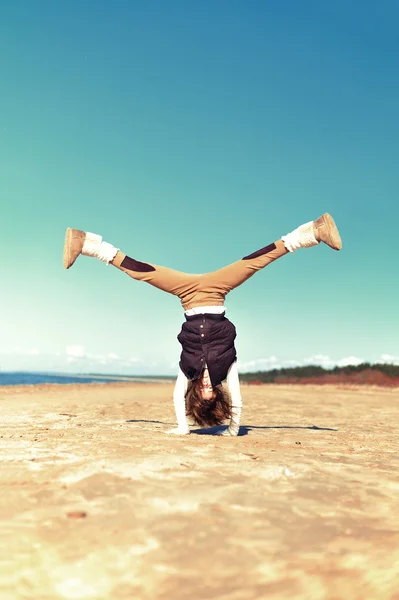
x=190, y=134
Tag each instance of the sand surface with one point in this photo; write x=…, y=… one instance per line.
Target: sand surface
x=97, y=502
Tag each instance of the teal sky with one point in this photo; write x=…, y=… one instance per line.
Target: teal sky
x=190, y=134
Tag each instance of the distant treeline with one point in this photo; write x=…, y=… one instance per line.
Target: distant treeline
x=365, y=373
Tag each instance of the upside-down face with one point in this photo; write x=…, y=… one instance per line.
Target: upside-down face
x=206, y=387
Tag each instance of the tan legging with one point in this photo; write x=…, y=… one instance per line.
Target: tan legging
x=208, y=289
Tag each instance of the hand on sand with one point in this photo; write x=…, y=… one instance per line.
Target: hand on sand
x=178, y=431
x=226, y=432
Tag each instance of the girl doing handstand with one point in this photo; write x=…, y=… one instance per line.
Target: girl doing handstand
x=207, y=337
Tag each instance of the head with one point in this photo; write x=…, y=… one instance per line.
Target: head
x=206, y=389
x=206, y=404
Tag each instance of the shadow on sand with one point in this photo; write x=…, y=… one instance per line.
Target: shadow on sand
x=245, y=429
x=144, y=421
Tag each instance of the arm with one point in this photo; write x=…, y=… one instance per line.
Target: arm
x=179, y=401
x=233, y=384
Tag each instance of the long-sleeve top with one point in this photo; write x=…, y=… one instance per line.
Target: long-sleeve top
x=233, y=385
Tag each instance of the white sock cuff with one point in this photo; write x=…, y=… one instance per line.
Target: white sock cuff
x=107, y=252
x=302, y=237
x=95, y=247
x=93, y=237
x=287, y=242
x=91, y=244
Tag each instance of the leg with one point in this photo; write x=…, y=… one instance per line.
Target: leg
x=210, y=288
x=174, y=282
x=310, y=234
x=168, y=280
x=230, y=277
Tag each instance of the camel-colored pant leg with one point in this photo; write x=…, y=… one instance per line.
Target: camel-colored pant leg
x=179, y=284
x=230, y=277
x=208, y=289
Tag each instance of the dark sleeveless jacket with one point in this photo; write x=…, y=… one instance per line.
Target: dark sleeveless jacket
x=207, y=339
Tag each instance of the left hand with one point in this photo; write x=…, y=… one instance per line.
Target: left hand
x=226, y=432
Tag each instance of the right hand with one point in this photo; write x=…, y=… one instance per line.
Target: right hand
x=228, y=431
x=178, y=431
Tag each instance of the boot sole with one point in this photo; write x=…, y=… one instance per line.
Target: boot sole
x=67, y=244
x=333, y=237
x=68, y=259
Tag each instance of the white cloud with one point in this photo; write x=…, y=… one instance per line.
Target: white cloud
x=75, y=359
x=322, y=360
x=259, y=364
x=349, y=360
x=75, y=351
x=388, y=358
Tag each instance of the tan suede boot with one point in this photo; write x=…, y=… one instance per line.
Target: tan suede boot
x=74, y=240
x=325, y=230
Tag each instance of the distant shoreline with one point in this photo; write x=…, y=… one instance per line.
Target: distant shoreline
x=26, y=378
x=384, y=375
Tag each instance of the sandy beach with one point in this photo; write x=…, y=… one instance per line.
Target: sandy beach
x=98, y=502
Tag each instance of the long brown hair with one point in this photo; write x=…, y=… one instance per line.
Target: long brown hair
x=207, y=413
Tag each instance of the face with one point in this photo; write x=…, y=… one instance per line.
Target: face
x=207, y=391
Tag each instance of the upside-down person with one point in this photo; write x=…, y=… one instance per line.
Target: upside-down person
x=207, y=387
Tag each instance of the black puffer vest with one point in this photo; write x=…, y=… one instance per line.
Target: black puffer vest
x=207, y=339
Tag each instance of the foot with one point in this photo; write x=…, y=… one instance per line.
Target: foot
x=74, y=240
x=325, y=230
